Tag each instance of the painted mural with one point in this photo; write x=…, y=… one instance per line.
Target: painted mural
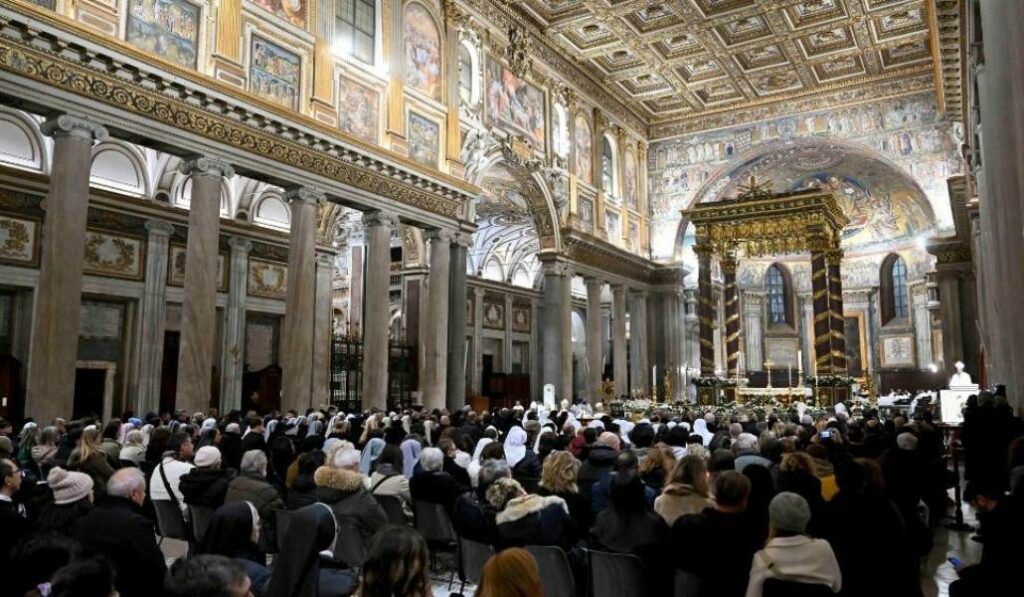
x=514, y=103
x=169, y=28
x=629, y=185
x=293, y=11
x=422, y=51
x=424, y=141
x=359, y=111
x=908, y=133
x=584, y=150
x=275, y=73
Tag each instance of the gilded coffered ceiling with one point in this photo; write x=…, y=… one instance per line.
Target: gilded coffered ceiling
x=682, y=61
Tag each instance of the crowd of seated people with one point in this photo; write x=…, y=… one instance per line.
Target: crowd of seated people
x=711, y=503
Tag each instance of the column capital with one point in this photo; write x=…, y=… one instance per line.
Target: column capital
x=592, y=281
x=159, y=227
x=66, y=125
x=556, y=268
x=833, y=256
x=463, y=239
x=206, y=166
x=440, y=235
x=324, y=260
x=378, y=217
x=304, y=195
x=617, y=287
x=239, y=244
x=638, y=293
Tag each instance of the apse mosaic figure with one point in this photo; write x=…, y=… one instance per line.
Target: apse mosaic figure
x=514, y=103
x=360, y=110
x=424, y=142
x=169, y=28
x=293, y=11
x=422, y=51
x=584, y=150
x=275, y=73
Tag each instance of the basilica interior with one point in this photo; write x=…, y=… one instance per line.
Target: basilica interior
x=282, y=204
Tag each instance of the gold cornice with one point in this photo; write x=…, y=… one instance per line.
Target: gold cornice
x=73, y=28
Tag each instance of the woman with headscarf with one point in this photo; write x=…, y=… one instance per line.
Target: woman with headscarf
x=700, y=427
x=411, y=449
x=298, y=570
x=371, y=452
x=234, y=532
x=523, y=462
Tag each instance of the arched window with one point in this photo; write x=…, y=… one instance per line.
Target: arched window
x=776, y=284
x=465, y=75
x=895, y=297
x=608, y=167
x=355, y=28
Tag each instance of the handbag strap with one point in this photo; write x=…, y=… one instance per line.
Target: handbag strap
x=381, y=482
x=177, y=504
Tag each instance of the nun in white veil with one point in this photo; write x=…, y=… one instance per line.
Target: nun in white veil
x=700, y=427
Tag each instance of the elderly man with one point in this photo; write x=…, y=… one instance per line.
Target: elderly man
x=117, y=530
x=251, y=486
x=432, y=484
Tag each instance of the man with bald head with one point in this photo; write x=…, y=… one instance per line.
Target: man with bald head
x=599, y=463
x=118, y=530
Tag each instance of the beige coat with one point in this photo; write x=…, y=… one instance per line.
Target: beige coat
x=678, y=500
x=799, y=559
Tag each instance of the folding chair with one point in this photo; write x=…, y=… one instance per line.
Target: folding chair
x=555, y=572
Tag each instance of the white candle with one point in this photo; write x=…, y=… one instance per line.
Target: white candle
x=789, y=374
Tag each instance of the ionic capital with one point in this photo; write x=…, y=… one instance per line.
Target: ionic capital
x=206, y=166
x=159, y=227
x=304, y=195
x=66, y=125
x=379, y=217
x=444, y=236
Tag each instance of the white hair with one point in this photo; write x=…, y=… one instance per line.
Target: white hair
x=254, y=461
x=347, y=458
x=431, y=459
x=906, y=441
x=124, y=481
x=746, y=442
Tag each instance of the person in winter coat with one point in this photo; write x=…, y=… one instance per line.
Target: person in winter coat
x=234, y=532
x=118, y=530
x=796, y=475
x=109, y=441
x=303, y=489
x=206, y=485
x=599, y=462
x=559, y=478
x=89, y=458
x=433, y=484
x=231, y=446
x=791, y=555
x=251, y=486
x=528, y=519
x=523, y=462
x=388, y=479
x=343, y=491
x=686, y=492
x=132, y=450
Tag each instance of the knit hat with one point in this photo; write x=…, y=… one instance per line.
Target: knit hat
x=789, y=512
x=68, y=486
x=207, y=456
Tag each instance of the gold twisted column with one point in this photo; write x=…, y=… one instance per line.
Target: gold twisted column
x=705, y=311
x=837, y=322
x=732, y=315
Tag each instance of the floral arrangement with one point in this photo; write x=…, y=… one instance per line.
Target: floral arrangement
x=713, y=381
x=829, y=381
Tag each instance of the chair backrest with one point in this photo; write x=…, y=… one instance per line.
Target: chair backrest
x=472, y=557
x=200, y=517
x=349, y=548
x=392, y=506
x=168, y=520
x=555, y=573
x=777, y=587
x=433, y=523
x=616, y=574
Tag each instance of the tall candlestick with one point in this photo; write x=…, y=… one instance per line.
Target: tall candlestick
x=789, y=374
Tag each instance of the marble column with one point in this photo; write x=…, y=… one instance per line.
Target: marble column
x=300, y=301
x=595, y=359
x=949, y=313
x=752, y=331
x=199, y=309
x=153, y=316
x=476, y=356
x=555, y=333
x=233, y=355
x=620, y=359
x=456, y=384
x=922, y=329
x=323, y=329
x=377, y=230
x=641, y=371
x=435, y=382
x=54, y=341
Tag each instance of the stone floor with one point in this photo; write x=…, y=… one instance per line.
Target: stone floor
x=936, y=573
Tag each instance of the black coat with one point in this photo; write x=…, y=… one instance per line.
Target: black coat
x=598, y=464
x=579, y=510
x=528, y=467
x=717, y=547
x=253, y=441
x=535, y=520
x=206, y=486
x=808, y=487
x=231, y=450
x=437, y=487
x=461, y=475
x=474, y=519
x=15, y=528
x=302, y=492
x=118, y=530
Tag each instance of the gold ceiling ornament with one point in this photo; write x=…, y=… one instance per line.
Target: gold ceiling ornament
x=517, y=52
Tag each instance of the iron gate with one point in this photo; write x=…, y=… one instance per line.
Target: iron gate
x=347, y=374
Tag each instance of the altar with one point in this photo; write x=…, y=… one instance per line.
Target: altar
x=783, y=395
